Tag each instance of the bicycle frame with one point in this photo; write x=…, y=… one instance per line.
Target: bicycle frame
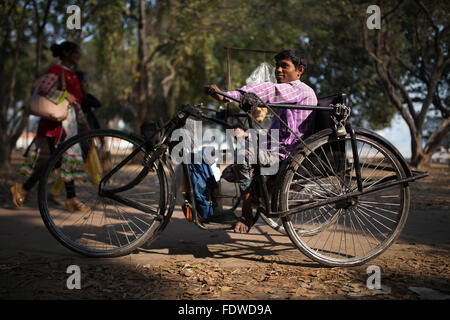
x=179, y=121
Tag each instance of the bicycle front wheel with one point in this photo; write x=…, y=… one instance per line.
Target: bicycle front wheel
x=102, y=225
x=347, y=231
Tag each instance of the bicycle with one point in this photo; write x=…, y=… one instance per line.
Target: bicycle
x=340, y=184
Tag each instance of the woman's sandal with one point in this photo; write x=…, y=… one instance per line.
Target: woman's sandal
x=76, y=206
x=17, y=198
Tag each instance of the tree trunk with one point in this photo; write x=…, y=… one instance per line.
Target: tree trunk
x=13, y=119
x=416, y=147
x=37, y=68
x=422, y=158
x=39, y=33
x=5, y=152
x=167, y=84
x=144, y=85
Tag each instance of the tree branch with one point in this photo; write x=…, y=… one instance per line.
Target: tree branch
x=432, y=86
x=428, y=15
x=391, y=11
x=424, y=62
x=384, y=77
x=166, y=83
x=437, y=102
x=404, y=93
x=128, y=14
x=437, y=136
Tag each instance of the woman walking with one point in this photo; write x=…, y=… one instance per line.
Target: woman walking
x=50, y=133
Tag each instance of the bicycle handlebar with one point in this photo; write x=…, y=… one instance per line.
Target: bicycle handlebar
x=212, y=91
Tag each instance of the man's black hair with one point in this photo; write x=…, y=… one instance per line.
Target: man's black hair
x=294, y=55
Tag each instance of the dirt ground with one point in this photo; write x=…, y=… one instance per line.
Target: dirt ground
x=188, y=263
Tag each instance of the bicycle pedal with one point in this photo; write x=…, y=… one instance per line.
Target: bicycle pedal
x=187, y=210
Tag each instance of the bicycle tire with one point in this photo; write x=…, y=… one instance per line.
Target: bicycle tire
x=383, y=213
x=170, y=192
x=108, y=228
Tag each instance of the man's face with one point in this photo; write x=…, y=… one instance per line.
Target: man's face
x=285, y=71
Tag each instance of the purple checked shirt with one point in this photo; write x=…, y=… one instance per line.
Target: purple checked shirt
x=295, y=92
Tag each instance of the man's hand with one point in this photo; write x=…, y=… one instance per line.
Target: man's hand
x=259, y=113
x=240, y=133
x=215, y=95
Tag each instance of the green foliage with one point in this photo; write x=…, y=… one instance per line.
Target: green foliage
x=186, y=43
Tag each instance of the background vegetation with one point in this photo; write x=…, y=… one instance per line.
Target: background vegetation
x=144, y=58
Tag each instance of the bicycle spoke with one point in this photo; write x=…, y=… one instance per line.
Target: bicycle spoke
x=108, y=227
x=363, y=226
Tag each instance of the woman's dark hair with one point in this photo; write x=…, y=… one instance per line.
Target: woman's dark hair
x=294, y=55
x=59, y=49
x=81, y=75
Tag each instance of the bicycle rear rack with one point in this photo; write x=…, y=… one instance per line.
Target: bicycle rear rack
x=415, y=176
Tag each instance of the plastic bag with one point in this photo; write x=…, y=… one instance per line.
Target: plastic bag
x=263, y=73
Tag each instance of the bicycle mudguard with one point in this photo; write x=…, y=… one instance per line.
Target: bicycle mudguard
x=411, y=175
x=390, y=146
x=366, y=133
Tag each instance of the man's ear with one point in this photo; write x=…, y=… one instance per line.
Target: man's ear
x=300, y=70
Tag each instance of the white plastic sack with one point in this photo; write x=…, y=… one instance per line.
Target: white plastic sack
x=263, y=73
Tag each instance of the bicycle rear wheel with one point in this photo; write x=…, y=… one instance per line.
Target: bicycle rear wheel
x=108, y=227
x=346, y=232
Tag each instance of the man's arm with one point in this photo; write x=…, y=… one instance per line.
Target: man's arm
x=264, y=90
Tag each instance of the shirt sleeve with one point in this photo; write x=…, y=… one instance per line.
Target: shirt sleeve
x=297, y=116
x=264, y=90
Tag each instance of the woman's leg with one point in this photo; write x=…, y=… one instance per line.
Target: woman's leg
x=70, y=189
x=72, y=203
x=34, y=178
x=31, y=181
